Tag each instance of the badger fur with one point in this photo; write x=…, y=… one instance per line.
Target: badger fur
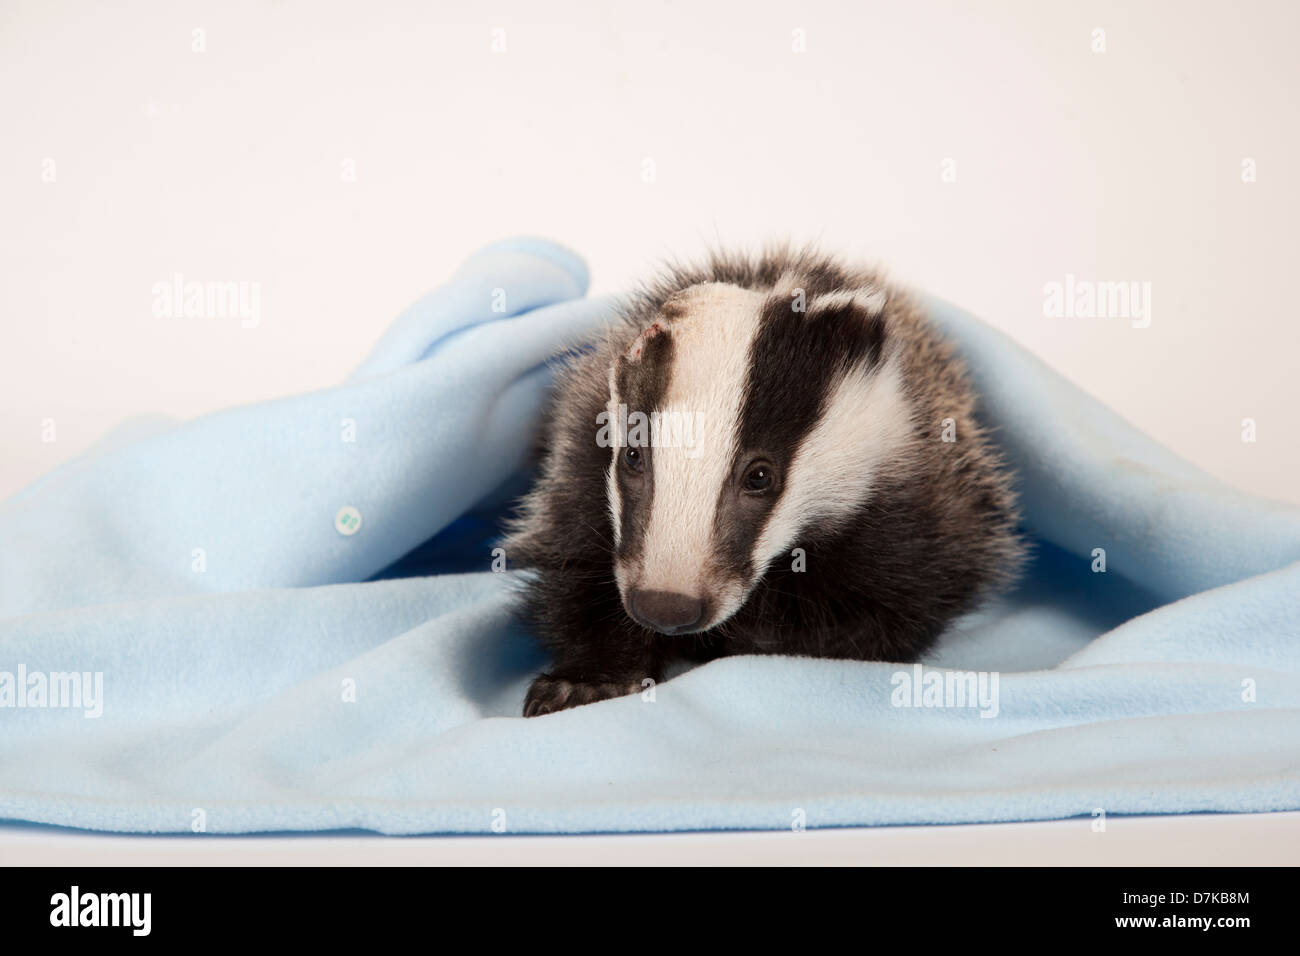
x=813, y=481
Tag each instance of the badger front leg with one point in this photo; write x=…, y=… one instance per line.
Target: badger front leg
x=585, y=674
x=550, y=693
x=598, y=652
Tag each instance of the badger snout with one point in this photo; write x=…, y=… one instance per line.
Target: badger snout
x=668, y=612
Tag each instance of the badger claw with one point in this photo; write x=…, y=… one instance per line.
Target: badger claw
x=549, y=694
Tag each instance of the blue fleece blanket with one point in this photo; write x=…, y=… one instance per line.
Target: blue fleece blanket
x=286, y=617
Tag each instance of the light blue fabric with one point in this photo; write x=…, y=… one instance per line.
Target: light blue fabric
x=1170, y=683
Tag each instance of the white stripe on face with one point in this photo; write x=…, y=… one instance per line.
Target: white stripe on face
x=612, y=496
x=711, y=344
x=866, y=421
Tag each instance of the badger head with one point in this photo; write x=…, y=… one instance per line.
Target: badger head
x=745, y=419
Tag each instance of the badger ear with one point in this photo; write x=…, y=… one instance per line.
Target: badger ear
x=854, y=319
x=652, y=340
x=870, y=301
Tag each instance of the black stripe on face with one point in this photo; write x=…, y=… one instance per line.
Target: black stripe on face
x=795, y=361
x=642, y=382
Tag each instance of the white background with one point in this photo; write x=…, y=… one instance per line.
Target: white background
x=228, y=165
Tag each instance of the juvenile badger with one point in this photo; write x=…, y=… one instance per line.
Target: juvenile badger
x=769, y=455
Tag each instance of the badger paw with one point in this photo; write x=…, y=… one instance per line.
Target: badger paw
x=549, y=694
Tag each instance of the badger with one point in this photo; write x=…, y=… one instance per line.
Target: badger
x=769, y=453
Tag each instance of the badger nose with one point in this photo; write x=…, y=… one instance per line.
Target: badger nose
x=666, y=611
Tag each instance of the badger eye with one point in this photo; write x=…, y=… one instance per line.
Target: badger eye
x=758, y=478
x=633, y=458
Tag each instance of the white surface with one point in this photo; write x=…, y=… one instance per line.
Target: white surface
x=229, y=165
x=1217, y=840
